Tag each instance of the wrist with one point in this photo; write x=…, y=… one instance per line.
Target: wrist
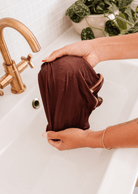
x=93, y=139
x=116, y=47
x=106, y=48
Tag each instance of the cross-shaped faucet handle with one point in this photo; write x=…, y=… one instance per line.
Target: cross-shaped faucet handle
x=29, y=59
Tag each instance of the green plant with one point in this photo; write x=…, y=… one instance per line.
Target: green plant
x=124, y=22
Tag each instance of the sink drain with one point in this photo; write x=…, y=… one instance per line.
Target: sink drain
x=36, y=103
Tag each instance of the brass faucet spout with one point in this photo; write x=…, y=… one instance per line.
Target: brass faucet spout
x=22, y=29
x=12, y=71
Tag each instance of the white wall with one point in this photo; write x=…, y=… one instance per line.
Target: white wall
x=45, y=18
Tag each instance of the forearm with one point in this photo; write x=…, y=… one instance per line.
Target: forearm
x=123, y=135
x=117, y=47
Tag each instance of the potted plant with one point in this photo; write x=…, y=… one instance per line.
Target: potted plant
x=95, y=18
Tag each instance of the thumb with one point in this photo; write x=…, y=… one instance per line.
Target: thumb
x=51, y=135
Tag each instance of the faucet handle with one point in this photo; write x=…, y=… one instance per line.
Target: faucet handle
x=1, y=93
x=28, y=58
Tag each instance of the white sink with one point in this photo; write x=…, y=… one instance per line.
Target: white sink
x=29, y=165
x=119, y=92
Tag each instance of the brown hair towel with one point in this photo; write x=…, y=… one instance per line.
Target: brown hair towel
x=65, y=90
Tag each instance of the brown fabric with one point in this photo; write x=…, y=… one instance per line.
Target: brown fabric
x=65, y=90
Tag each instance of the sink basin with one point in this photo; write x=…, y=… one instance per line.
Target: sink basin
x=119, y=93
x=29, y=165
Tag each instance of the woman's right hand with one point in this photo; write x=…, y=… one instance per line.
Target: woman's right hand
x=101, y=49
x=86, y=49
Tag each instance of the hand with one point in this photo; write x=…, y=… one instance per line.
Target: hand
x=68, y=139
x=85, y=49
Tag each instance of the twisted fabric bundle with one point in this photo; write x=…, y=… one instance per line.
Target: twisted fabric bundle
x=65, y=90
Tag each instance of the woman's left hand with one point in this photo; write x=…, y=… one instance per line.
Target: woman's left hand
x=68, y=139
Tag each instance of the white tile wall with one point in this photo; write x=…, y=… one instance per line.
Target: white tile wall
x=45, y=18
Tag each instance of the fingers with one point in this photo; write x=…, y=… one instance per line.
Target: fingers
x=56, y=54
x=71, y=49
x=53, y=135
x=56, y=144
x=54, y=138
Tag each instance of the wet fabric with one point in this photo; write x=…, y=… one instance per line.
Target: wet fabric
x=65, y=90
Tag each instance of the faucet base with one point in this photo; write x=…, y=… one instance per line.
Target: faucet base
x=17, y=86
x=19, y=91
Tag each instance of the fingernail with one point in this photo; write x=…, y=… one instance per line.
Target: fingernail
x=44, y=60
x=44, y=135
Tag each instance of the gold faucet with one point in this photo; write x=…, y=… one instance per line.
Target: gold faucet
x=12, y=71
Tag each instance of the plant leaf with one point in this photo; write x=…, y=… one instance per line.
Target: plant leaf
x=133, y=29
x=88, y=2
x=136, y=9
x=83, y=1
x=121, y=24
x=75, y=18
x=100, y=8
x=112, y=8
x=136, y=24
x=111, y=28
x=77, y=11
x=130, y=14
x=124, y=20
x=87, y=34
x=107, y=2
x=81, y=9
x=136, y=13
x=123, y=3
